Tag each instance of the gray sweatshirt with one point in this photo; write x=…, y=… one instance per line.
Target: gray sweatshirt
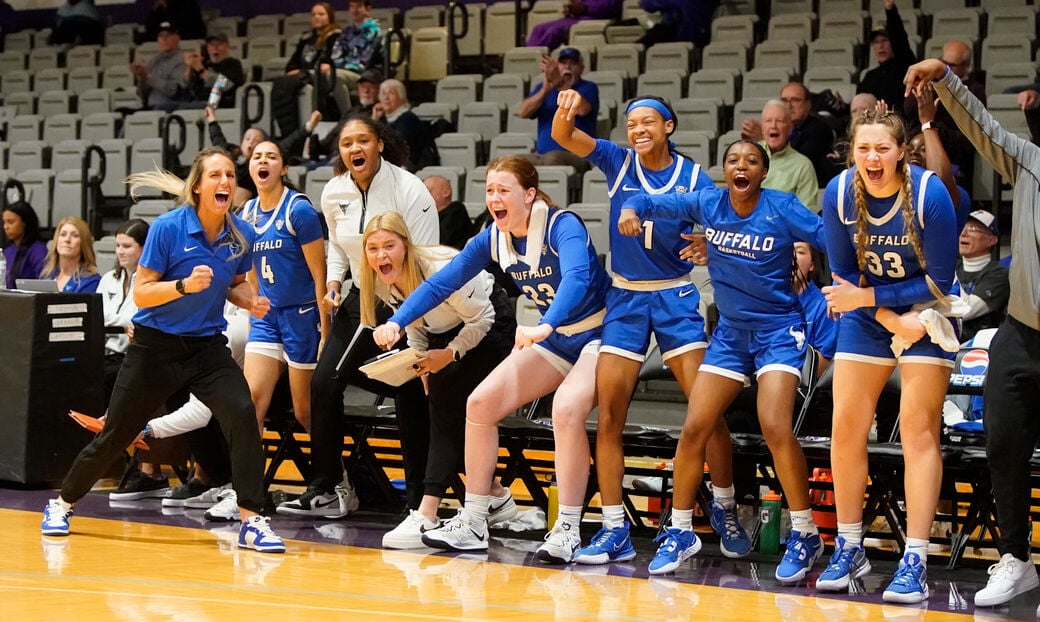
x=1018, y=161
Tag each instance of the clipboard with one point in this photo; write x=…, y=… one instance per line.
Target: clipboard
x=393, y=368
x=94, y=425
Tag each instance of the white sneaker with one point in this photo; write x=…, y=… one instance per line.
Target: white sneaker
x=225, y=510
x=561, y=543
x=1007, y=579
x=458, y=533
x=408, y=535
x=207, y=499
x=501, y=509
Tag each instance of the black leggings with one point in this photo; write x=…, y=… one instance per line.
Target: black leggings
x=157, y=365
x=348, y=346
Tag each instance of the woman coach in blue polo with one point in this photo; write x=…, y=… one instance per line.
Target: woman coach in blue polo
x=194, y=258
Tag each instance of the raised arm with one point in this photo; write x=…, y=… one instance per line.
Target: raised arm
x=570, y=105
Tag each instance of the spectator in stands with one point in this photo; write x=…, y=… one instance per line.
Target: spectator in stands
x=789, y=170
x=185, y=15
x=24, y=250
x=560, y=74
x=1013, y=377
x=356, y=49
x=461, y=340
x=368, y=182
x=553, y=34
x=456, y=226
x=891, y=47
x=681, y=20
x=117, y=296
x=71, y=261
x=78, y=23
x=395, y=110
x=984, y=281
x=957, y=56
x=313, y=49
x=243, y=152
x=161, y=81
x=810, y=136
x=202, y=70
x=882, y=266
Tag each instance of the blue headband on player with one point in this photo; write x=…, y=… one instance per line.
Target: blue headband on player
x=651, y=103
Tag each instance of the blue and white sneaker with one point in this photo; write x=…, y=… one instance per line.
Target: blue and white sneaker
x=256, y=534
x=608, y=545
x=677, y=546
x=56, y=518
x=847, y=563
x=803, y=549
x=910, y=583
x=734, y=540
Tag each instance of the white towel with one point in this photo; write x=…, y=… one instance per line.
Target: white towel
x=535, y=234
x=937, y=327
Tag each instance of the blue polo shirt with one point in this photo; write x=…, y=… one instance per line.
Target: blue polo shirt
x=176, y=244
x=79, y=284
x=586, y=122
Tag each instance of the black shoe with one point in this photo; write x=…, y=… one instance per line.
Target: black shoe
x=142, y=487
x=176, y=497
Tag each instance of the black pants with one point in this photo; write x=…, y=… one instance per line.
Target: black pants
x=450, y=389
x=157, y=365
x=1012, y=425
x=348, y=346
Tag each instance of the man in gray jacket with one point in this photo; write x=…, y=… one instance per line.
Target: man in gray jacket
x=1013, y=380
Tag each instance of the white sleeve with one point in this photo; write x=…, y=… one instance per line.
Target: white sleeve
x=473, y=305
x=192, y=416
x=419, y=212
x=337, y=262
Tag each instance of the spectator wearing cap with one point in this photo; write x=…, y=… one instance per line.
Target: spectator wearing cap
x=984, y=282
x=553, y=34
x=161, y=82
x=356, y=49
x=560, y=74
x=184, y=15
x=891, y=46
x=214, y=60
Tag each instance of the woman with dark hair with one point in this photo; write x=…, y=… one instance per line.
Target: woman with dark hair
x=313, y=49
x=750, y=233
x=71, y=260
x=649, y=273
x=462, y=340
x=368, y=182
x=24, y=251
x=117, y=295
x=195, y=257
x=548, y=254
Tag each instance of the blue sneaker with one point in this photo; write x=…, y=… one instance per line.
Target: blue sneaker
x=847, y=563
x=56, y=518
x=734, y=540
x=803, y=549
x=256, y=534
x=910, y=583
x=677, y=546
x=608, y=545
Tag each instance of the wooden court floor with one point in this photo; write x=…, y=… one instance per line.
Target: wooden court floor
x=117, y=569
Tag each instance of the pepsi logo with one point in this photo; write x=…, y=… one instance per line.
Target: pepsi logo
x=975, y=362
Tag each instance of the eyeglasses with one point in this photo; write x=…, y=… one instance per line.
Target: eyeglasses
x=974, y=229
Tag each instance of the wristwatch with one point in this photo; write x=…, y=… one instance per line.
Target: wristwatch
x=927, y=125
x=179, y=284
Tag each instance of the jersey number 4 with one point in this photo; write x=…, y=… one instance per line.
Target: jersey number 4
x=265, y=270
x=888, y=264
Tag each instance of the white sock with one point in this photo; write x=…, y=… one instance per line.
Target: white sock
x=477, y=508
x=919, y=546
x=726, y=497
x=682, y=519
x=802, y=522
x=852, y=533
x=570, y=514
x=613, y=516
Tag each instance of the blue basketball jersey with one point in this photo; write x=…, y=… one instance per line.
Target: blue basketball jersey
x=653, y=256
x=892, y=267
x=750, y=260
x=569, y=284
x=281, y=269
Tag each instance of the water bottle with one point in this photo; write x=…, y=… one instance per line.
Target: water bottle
x=219, y=86
x=3, y=271
x=769, y=538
